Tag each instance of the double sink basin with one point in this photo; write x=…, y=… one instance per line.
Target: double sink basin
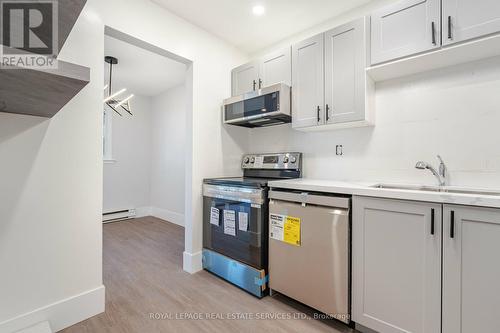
x=438, y=189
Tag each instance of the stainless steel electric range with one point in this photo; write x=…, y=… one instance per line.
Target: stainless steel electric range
x=235, y=220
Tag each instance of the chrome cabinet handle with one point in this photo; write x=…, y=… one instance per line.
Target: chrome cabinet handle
x=260, y=83
x=327, y=109
x=254, y=84
x=319, y=110
x=450, y=37
x=433, y=25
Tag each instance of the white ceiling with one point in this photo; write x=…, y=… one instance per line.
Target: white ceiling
x=141, y=71
x=234, y=21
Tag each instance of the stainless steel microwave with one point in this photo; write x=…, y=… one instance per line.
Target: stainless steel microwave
x=264, y=107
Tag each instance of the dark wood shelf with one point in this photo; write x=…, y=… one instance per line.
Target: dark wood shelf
x=41, y=92
x=44, y=92
x=69, y=11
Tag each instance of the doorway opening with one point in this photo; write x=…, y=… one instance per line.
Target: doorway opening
x=146, y=135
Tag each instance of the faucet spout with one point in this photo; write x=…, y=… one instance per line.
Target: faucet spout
x=426, y=166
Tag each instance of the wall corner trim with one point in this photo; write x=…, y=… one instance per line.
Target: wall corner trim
x=192, y=262
x=60, y=314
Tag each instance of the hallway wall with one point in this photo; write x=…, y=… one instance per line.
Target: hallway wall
x=168, y=165
x=127, y=179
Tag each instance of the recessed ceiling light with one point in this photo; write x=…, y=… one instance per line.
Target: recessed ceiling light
x=258, y=10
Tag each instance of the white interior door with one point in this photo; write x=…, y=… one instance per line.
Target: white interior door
x=405, y=28
x=466, y=19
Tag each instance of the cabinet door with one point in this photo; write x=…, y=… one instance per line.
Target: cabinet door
x=405, y=28
x=308, y=82
x=471, y=270
x=466, y=19
x=396, y=272
x=345, y=63
x=245, y=78
x=276, y=68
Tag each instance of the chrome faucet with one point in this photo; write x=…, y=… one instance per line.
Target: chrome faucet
x=441, y=174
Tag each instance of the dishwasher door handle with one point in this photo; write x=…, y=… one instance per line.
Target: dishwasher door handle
x=314, y=199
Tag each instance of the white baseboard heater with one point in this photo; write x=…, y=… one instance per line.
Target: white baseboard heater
x=118, y=215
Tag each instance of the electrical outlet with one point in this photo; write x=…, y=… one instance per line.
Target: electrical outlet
x=339, y=150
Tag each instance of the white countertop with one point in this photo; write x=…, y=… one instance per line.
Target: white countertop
x=367, y=189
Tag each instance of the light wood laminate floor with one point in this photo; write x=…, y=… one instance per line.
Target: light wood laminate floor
x=143, y=277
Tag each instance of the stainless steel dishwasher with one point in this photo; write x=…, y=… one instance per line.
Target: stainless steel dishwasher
x=309, y=250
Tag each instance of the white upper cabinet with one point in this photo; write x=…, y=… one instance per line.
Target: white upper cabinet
x=308, y=82
x=271, y=69
x=345, y=79
x=276, y=68
x=396, y=265
x=405, y=28
x=466, y=19
x=471, y=270
x=245, y=78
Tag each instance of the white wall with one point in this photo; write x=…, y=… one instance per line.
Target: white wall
x=50, y=203
x=168, y=165
x=51, y=171
x=127, y=181
x=454, y=112
x=327, y=25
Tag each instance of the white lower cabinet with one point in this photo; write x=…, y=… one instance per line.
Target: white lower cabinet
x=398, y=283
x=396, y=269
x=471, y=270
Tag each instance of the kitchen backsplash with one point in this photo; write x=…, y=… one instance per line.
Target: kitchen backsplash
x=454, y=112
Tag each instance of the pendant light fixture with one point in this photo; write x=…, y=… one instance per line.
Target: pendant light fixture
x=112, y=99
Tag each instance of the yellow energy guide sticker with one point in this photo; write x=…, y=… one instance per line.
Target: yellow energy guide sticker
x=285, y=228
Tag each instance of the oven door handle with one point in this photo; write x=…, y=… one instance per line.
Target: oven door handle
x=232, y=193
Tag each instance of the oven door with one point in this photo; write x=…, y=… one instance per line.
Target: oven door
x=235, y=223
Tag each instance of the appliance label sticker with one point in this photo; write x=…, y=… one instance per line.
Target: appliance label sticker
x=259, y=162
x=285, y=229
x=243, y=221
x=230, y=222
x=214, y=216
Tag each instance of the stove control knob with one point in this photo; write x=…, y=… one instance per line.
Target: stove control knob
x=285, y=159
x=246, y=160
x=293, y=159
x=252, y=160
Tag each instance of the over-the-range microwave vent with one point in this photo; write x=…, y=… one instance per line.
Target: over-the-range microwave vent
x=268, y=106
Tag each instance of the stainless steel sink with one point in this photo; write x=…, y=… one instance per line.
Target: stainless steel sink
x=436, y=189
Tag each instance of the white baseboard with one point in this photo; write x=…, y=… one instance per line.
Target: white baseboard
x=143, y=211
x=61, y=314
x=168, y=215
x=192, y=262
x=39, y=328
